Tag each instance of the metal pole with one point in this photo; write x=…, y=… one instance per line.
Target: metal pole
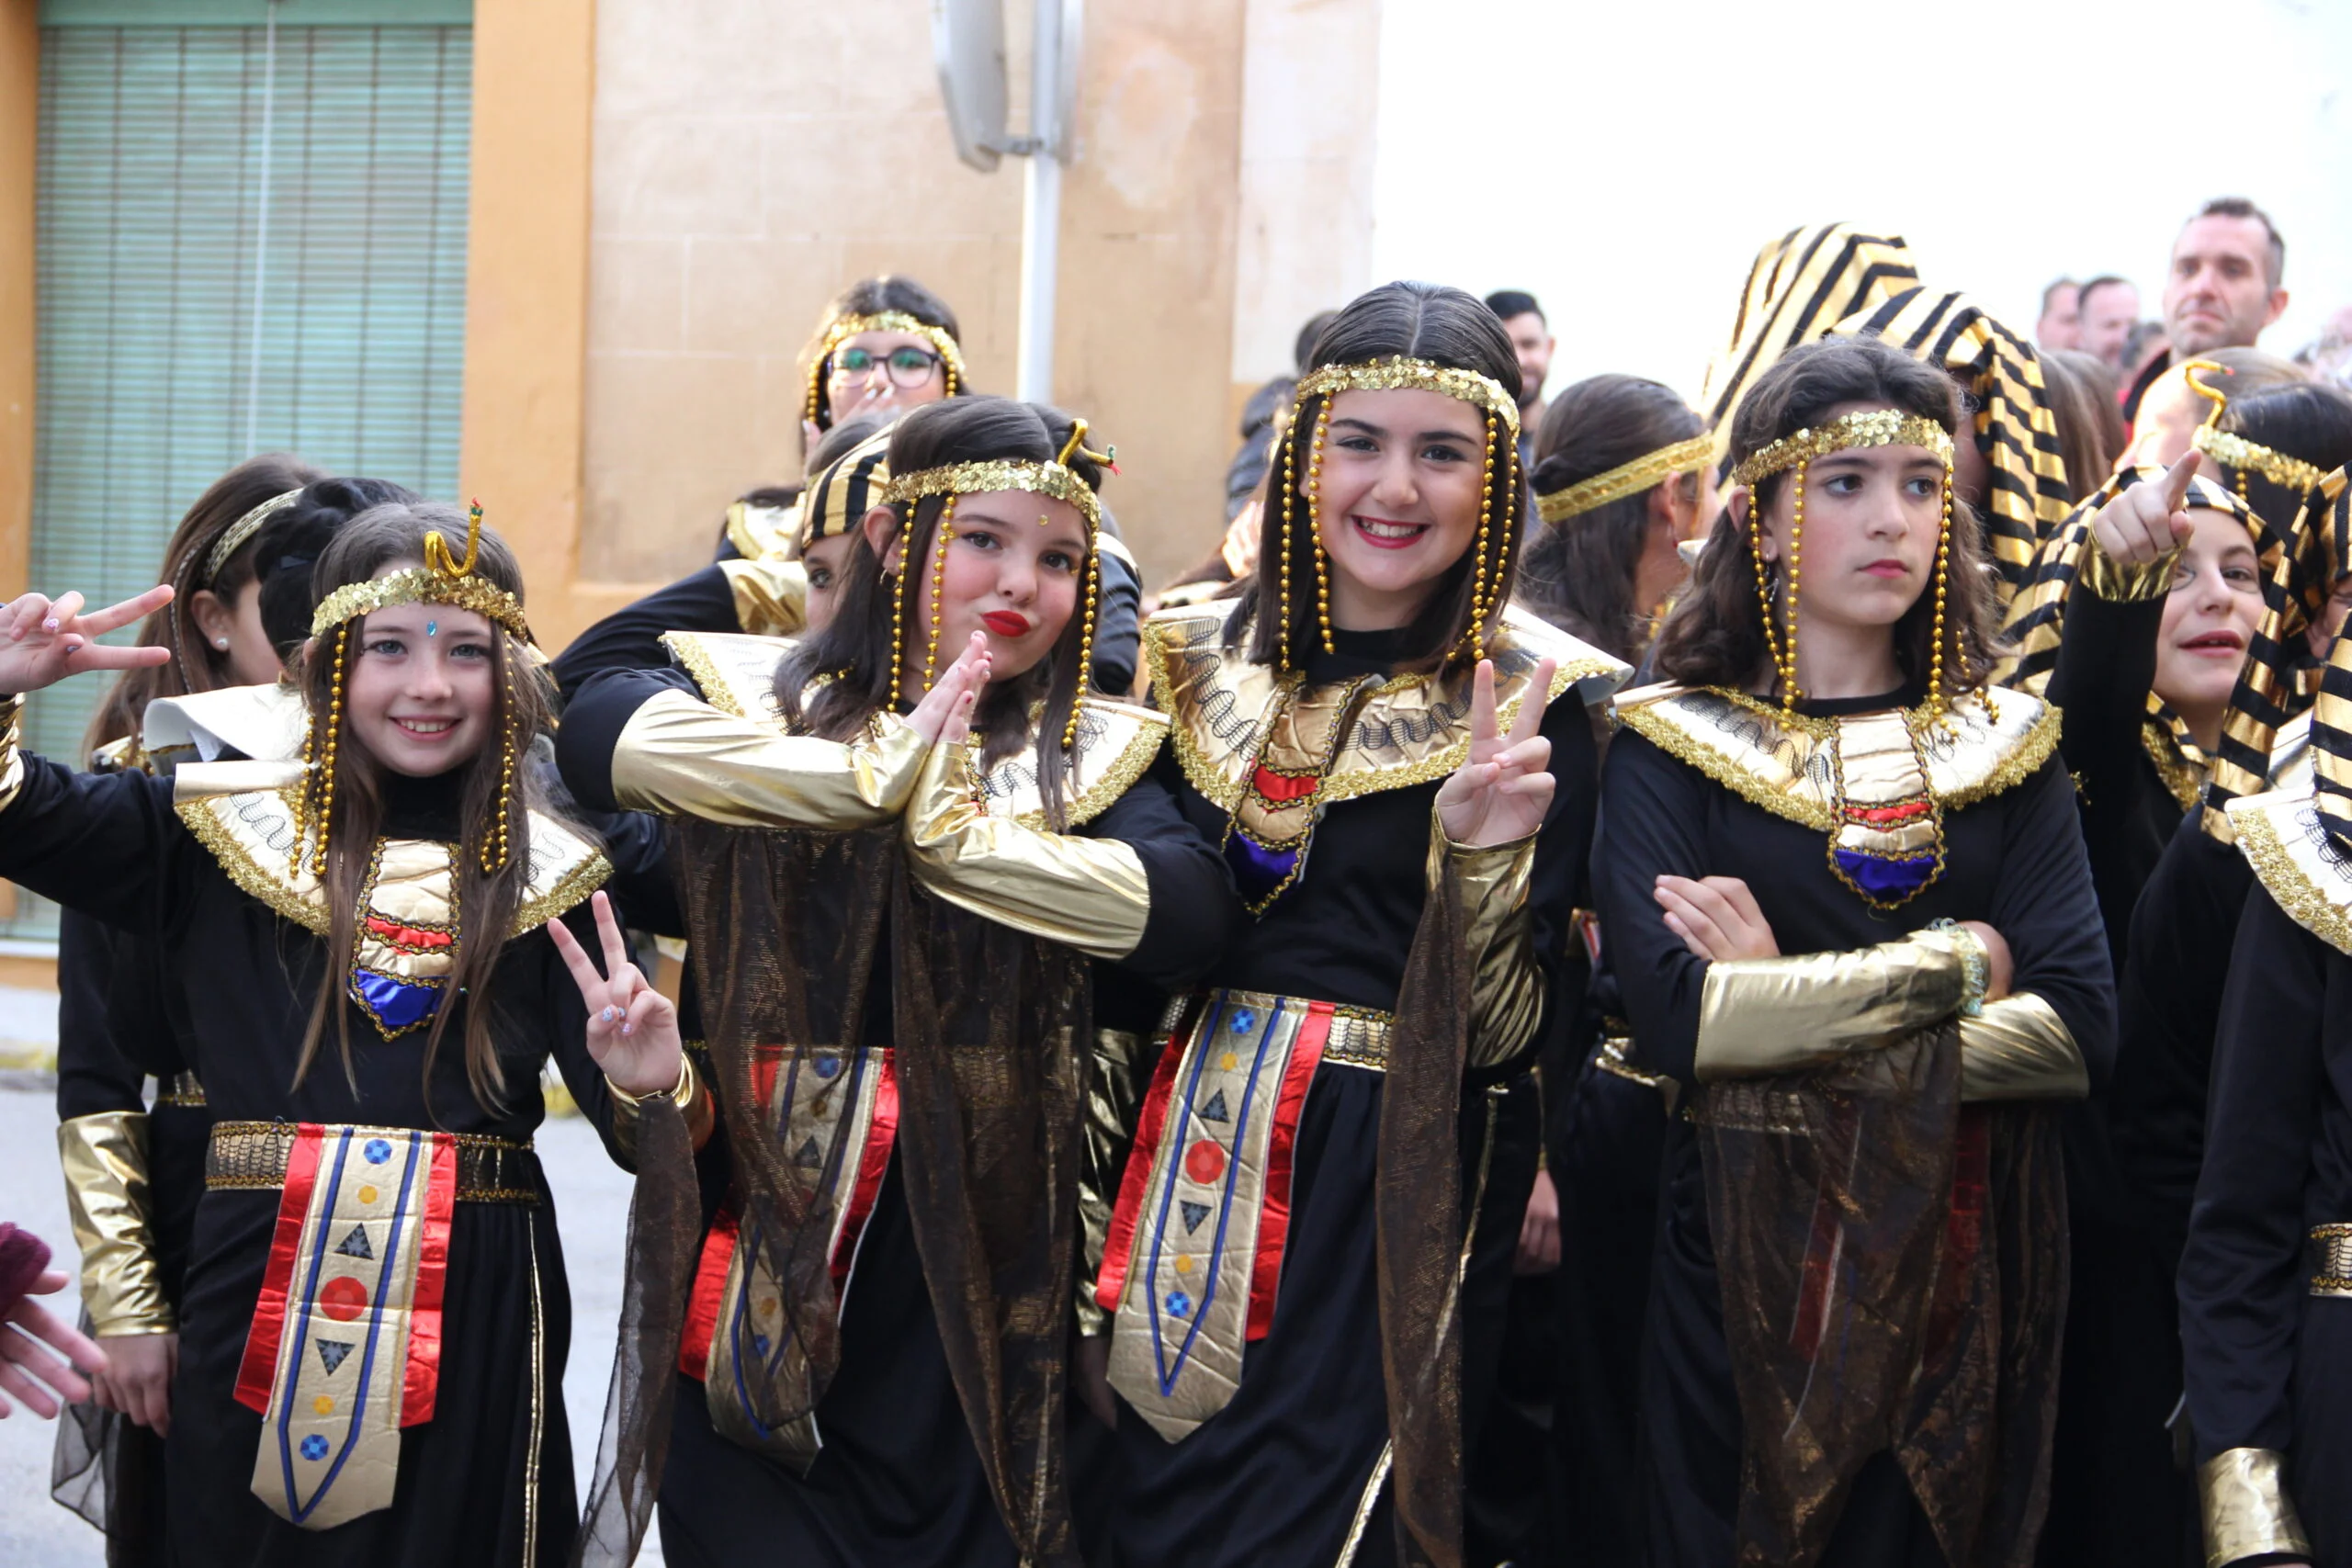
x=1042, y=207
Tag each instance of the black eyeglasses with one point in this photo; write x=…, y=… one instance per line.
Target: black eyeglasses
x=908, y=367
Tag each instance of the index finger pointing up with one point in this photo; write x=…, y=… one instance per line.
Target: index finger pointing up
x=1530, y=718
x=2176, y=480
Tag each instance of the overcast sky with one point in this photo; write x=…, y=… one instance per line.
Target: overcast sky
x=1658, y=142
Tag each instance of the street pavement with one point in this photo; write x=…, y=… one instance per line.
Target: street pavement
x=591, y=1210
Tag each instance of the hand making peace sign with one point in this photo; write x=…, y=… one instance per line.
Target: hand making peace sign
x=632, y=1028
x=1502, y=789
x=45, y=640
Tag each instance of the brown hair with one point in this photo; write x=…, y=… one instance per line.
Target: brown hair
x=1418, y=320
x=1579, y=573
x=2082, y=390
x=393, y=535
x=194, y=665
x=1715, y=635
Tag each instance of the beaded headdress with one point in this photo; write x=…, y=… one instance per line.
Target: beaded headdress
x=840, y=328
x=2235, y=452
x=234, y=537
x=1651, y=468
x=845, y=489
x=1057, y=480
x=1492, y=549
x=1871, y=427
x=442, y=580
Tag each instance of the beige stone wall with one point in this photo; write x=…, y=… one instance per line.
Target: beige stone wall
x=751, y=156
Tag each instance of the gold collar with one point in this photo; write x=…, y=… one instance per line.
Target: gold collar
x=1116, y=741
x=1407, y=732
x=1996, y=743
x=2280, y=836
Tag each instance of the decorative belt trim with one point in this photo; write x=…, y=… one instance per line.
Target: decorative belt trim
x=252, y=1154
x=1615, y=1059
x=2331, y=1260
x=181, y=1089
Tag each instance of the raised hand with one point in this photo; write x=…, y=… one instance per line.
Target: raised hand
x=1716, y=917
x=28, y=1372
x=2146, y=520
x=632, y=1028
x=1504, y=787
x=958, y=688
x=47, y=639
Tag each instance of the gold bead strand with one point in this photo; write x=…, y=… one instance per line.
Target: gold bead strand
x=1495, y=600
x=1478, y=550
x=334, y=728
x=1086, y=636
x=493, y=849
x=1943, y=579
x=1290, y=475
x=898, y=610
x=1315, y=525
x=1763, y=581
x=1796, y=565
x=942, y=536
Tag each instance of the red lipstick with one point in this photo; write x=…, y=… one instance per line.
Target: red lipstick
x=1006, y=623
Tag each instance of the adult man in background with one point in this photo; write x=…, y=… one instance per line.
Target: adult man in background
x=2110, y=309
x=2062, y=318
x=1530, y=338
x=2223, y=286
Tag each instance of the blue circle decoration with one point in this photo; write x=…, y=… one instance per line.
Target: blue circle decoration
x=314, y=1447
x=378, y=1151
x=1179, y=1304
x=827, y=1066
x=1243, y=1021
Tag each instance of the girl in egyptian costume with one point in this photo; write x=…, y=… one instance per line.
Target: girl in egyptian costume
x=1848, y=913
x=1371, y=736
x=373, y=1321
x=924, y=869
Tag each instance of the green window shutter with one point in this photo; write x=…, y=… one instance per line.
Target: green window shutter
x=190, y=316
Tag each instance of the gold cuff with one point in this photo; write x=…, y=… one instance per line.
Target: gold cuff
x=1506, y=988
x=692, y=1100
x=12, y=760
x=2247, y=1511
x=2018, y=1048
x=2120, y=582
x=1089, y=894
x=1112, y=1094
x=682, y=757
x=770, y=596
x=1761, y=1016
x=105, y=1157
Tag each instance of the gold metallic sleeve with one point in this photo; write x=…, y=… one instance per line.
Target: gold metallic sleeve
x=12, y=760
x=1507, y=988
x=105, y=1157
x=770, y=596
x=1089, y=894
x=681, y=757
x=2018, y=1048
x=2120, y=583
x=693, y=1100
x=2247, y=1512
x=1759, y=1016
x=1114, y=1093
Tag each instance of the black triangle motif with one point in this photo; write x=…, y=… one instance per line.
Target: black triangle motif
x=811, y=1156
x=1193, y=1214
x=331, y=1352
x=355, y=1245
x=1215, y=1110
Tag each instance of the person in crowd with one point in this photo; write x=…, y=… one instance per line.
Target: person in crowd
x=2225, y=284
x=2110, y=309
x=2172, y=408
x=2060, y=325
x=1260, y=422
x=2082, y=393
x=1532, y=343
x=885, y=344
x=847, y=1302
x=1847, y=908
x=42, y=1382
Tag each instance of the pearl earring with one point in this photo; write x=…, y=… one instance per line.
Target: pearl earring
x=221, y=643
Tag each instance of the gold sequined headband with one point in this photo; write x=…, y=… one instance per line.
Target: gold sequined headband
x=999, y=473
x=2237, y=452
x=1625, y=478
x=1422, y=375
x=1873, y=427
x=243, y=529
x=442, y=580
x=842, y=328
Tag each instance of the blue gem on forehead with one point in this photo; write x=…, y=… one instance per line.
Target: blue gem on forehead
x=432, y=628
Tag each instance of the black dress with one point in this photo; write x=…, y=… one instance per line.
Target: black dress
x=2012, y=858
x=489, y=1476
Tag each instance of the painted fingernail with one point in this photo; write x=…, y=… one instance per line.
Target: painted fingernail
x=50, y=625
x=628, y=1029
x=610, y=1015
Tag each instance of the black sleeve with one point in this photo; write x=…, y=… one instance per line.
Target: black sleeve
x=93, y=1074
x=2168, y=1003
x=2044, y=908
x=1561, y=881
x=1652, y=810
x=643, y=885
x=630, y=638
x=2107, y=666
x=1195, y=911
x=591, y=726
x=107, y=844
x=2242, y=1277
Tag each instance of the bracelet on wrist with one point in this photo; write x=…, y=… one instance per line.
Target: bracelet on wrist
x=1976, y=965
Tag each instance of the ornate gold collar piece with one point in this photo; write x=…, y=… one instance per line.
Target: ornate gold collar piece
x=2282, y=838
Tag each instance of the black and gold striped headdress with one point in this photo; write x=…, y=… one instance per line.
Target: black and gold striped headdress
x=2332, y=747
x=845, y=489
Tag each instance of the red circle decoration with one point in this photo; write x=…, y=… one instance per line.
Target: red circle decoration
x=1204, y=1162
x=342, y=1298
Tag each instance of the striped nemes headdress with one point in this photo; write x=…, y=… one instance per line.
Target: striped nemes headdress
x=845, y=489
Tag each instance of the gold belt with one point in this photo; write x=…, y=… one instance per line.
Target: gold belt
x=1358, y=1037
x=180, y=1088
x=254, y=1154
x=2331, y=1260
